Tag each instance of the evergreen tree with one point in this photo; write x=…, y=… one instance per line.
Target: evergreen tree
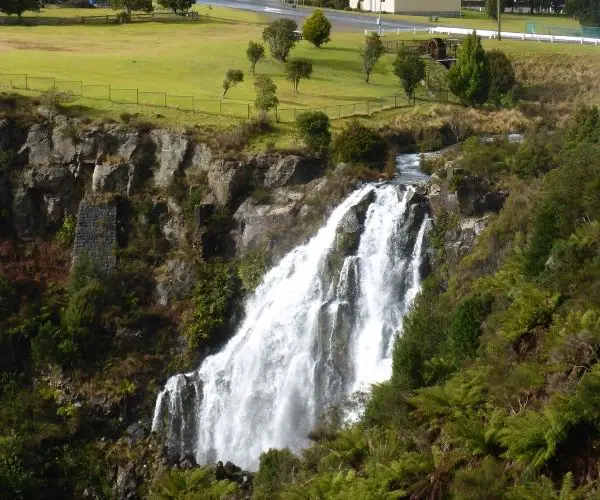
x=502, y=75
x=314, y=128
x=469, y=77
x=266, y=98
x=317, y=28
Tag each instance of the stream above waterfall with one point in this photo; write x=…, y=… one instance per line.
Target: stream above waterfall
x=319, y=327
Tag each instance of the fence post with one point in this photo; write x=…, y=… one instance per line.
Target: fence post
x=395, y=102
x=109, y=96
x=368, y=109
x=248, y=104
x=54, y=79
x=165, y=99
x=339, y=110
x=137, y=96
x=193, y=105
x=81, y=88
x=354, y=109
x=26, y=83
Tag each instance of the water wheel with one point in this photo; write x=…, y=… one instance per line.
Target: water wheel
x=436, y=48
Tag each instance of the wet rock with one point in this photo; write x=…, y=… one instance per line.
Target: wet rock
x=490, y=202
x=171, y=149
x=172, y=223
x=125, y=487
x=291, y=170
x=136, y=432
x=64, y=137
x=228, y=181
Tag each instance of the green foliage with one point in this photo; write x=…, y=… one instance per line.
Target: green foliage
x=491, y=8
x=297, y=69
x=315, y=130
x=279, y=35
x=190, y=485
x=490, y=161
x=469, y=77
x=587, y=11
x=486, y=480
x=232, y=78
x=533, y=158
x=266, y=98
x=359, y=144
x=277, y=469
x=317, y=28
x=465, y=328
x=502, y=75
x=584, y=128
x=177, y=6
x=255, y=53
x=11, y=7
x=54, y=98
x=212, y=296
x=250, y=270
x=131, y=5
x=410, y=69
x=66, y=234
x=371, y=52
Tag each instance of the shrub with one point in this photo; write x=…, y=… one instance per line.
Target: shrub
x=232, y=78
x=277, y=468
x=370, y=54
x=359, y=144
x=255, y=52
x=261, y=195
x=465, y=328
x=314, y=128
x=297, y=69
x=584, y=127
x=410, y=69
x=250, y=270
x=502, y=75
x=280, y=36
x=212, y=295
x=468, y=78
x=317, y=28
x=66, y=234
x=533, y=158
x=54, y=98
x=177, y=6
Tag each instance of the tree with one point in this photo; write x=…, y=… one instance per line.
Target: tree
x=317, y=28
x=370, y=54
x=468, y=78
x=491, y=8
x=410, y=69
x=587, y=11
x=10, y=7
x=280, y=36
x=130, y=5
x=502, y=75
x=266, y=98
x=296, y=69
x=255, y=52
x=314, y=128
x=232, y=78
x=177, y=6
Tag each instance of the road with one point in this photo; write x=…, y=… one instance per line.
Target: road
x=342, y=21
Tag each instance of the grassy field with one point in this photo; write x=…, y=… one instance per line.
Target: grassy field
x=191, y=60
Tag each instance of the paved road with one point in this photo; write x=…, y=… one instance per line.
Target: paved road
x=343, y=21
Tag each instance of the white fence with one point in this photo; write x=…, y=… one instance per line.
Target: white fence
x=515, y=36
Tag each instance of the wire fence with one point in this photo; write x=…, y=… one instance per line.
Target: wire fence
x=240, y=109
x=153, y=17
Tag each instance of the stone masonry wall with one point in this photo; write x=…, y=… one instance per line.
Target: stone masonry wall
x=96, y=234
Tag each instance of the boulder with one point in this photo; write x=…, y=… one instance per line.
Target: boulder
x=64, y=138
x=176, y=281
x=290, y=170
x=227, y=181
x=171, y=149
x=172, y=223
x=117, y=178
x=37, y=149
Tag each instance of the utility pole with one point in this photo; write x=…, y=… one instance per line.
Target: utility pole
x=379, y=19
x=498, y=2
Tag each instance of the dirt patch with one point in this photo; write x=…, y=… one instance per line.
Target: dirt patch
x=19, y=45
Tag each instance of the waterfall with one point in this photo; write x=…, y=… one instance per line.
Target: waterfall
x=319, y=327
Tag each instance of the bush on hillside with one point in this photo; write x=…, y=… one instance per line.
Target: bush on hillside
x=314, y=129
x=279, y=35
x=410, y=69
x=359, y=144
x=502, y=75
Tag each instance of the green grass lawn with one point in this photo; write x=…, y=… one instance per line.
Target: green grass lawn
x=190, y=59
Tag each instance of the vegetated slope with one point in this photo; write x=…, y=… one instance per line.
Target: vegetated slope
x=496, y=381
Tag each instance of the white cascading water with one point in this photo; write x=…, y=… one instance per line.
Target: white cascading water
x=320, y=326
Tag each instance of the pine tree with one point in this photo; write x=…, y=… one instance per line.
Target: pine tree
x=469, y=77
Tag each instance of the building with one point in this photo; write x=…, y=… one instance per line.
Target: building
x=444, y=8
